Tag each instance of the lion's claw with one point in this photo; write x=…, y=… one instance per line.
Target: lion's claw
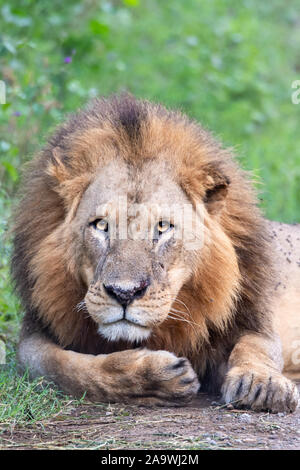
x=260, y=390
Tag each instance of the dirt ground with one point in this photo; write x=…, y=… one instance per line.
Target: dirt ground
x=202, y=425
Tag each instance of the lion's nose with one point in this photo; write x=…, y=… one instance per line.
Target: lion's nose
x=125, y=294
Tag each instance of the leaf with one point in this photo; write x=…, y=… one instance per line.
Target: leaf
x=9, y=46
x=98, y=28
x=131, y=3
x=11, y=171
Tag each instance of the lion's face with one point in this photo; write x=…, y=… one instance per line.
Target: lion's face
x=134, y=257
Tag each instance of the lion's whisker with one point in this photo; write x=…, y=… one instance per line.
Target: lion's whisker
x=185, y=313
x=182, y=313
x=181, y=302
x=174, y=300
x=176, y=316
x=183, y=320
x=81, y=306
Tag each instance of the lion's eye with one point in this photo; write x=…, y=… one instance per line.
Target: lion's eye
x=164, y=226
x=101, y=224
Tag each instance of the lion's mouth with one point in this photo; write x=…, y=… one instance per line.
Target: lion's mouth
x=124, y=329
x=125, y=321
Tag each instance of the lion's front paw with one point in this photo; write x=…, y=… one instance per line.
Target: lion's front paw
x=170, y=379
x=260, y=390
x=156, y=378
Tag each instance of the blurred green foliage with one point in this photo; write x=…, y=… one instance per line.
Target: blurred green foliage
x=228, y=63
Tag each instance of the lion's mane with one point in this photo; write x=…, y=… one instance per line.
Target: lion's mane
x=45, y=257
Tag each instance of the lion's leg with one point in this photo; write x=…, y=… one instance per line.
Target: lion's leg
x=254, y=378
x=133, y=376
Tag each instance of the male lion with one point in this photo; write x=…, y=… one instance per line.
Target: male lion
x=195, y=296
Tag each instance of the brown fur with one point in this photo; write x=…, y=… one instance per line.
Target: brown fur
x=228, y=293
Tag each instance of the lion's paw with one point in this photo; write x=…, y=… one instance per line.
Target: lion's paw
x=172, y=379
x=156, y=378
x=260, y=390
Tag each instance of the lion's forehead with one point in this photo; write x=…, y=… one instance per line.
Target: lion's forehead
x=122, y=188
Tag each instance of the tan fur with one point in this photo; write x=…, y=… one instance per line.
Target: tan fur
x=212, y=304
x=286, y=294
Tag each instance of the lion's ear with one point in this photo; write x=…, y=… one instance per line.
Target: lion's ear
x=57, y=168
x=216, y=189
x=69, y=185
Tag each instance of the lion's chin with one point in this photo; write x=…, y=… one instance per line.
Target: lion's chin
x=124, y=330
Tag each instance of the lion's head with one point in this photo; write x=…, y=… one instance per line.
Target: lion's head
x=137, y=226
x=132, y=259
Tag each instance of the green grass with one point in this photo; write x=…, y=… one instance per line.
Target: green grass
x=24, y=401
x=228, y=63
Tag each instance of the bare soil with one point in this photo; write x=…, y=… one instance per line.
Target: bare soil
x=203, y=424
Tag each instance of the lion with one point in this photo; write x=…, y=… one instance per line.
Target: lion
x=146, y=269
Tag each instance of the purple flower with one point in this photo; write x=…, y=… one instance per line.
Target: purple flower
x=67, y=59
x=17, y=113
